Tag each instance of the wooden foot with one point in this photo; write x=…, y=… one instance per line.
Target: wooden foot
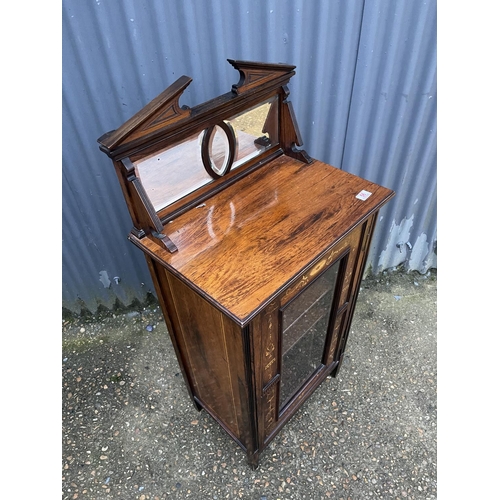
x=253, y=460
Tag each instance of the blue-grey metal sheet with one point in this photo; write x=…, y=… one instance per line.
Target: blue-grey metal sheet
x=391, y=132
x=362, y=71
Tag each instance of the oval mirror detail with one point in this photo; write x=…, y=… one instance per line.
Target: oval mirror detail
x=218, y=148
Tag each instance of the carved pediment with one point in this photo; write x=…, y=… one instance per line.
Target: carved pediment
x=253, y=74
x=163, y=110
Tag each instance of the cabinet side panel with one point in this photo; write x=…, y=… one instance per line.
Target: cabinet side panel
x=165, y=299
x=214, y=347
x=366, y=237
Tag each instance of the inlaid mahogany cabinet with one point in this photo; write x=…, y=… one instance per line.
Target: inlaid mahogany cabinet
x=256, y=249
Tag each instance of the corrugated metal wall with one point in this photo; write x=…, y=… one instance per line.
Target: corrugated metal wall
x=364, y=95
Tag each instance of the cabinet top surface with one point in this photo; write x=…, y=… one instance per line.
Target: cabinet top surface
x=247, y=242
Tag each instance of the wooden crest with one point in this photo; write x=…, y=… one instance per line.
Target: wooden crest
x=254, y=74
x=163, y=110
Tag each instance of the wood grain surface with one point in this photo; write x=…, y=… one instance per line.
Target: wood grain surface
x=247, y=242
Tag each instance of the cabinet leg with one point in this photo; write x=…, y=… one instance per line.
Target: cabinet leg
x=197, y=404
x=253, y=460
x=334, y=372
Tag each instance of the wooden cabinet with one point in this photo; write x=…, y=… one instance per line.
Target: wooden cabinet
x=256, y=250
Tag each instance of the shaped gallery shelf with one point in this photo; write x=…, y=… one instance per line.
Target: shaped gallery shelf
x=256, y=249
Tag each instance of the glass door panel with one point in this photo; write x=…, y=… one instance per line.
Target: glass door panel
x=304, y=324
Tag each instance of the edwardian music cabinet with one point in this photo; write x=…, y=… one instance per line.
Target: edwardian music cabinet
x=256, y=250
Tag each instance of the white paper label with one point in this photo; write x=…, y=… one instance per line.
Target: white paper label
x=363, y=195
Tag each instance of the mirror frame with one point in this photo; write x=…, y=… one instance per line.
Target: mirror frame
x=206, y=143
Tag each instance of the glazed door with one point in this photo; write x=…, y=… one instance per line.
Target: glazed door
x=301, y=335
x=304, y=326
x=297, y=342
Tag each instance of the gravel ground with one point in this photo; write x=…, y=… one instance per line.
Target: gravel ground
x=130, y=430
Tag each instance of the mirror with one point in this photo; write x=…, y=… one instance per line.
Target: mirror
x=206, y=156
x=173, y=173
x=256, y=130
